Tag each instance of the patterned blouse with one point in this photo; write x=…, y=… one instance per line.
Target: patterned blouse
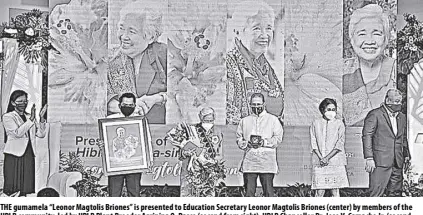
x=360, y=98
x=248, y=75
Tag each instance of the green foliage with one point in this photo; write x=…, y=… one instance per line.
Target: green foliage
x=410, y=188
x=410, y=44
x=70, y=163
x=160, y=191
x=204, y=179
x=410, y=50
x=89, y=185
x=296, y=190
x=354, y=192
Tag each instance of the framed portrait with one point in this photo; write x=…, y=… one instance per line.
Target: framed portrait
x=127, y=145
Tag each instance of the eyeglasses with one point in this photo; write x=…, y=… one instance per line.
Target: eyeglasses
x=127, y=105
x=256, y=105
x=22, y=102
x=331, y=109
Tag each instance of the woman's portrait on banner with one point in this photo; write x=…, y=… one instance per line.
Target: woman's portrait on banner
x=371, y=68
x=254, y=59
x=137, y=61
x=126, y=146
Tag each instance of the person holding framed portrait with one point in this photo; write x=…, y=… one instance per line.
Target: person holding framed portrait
x=125, y=148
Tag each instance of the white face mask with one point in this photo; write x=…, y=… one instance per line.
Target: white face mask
x=207, y=126
x=330, y=115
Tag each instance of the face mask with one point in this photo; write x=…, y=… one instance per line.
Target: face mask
x=394, y=108
x=207, y=125
x=330, y=115
x=127, y=111
x=21, y=107
x=257, y=110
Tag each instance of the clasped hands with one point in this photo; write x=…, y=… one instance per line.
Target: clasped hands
x=41, y=114
x=324, y=161
x=146, y=102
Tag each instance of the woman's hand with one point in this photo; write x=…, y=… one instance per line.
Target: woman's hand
x=324, y=161
x=33, y=110
x=147, y=102
x=42, y=113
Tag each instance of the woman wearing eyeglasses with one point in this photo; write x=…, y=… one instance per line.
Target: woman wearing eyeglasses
x=327, y=142
x=21, y=129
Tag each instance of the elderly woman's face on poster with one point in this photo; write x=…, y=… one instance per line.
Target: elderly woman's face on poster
x=131, y=35
x=369, y=38
x=258, y=33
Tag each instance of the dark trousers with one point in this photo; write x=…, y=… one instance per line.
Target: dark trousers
x=266, y=180
x=389, y=178
x=132, y=185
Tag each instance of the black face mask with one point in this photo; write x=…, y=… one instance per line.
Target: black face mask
x=127, y=111
x=394, y=108
x=21, y=107
x=257, y=110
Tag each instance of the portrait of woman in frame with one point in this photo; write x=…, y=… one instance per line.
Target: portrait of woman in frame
x=127, y=148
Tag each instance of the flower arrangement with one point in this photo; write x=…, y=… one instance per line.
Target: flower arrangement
x=89, y=185
x=410, y=44
x=410, y=50
x=205, y=178
x=32, y=32
x=178, y=135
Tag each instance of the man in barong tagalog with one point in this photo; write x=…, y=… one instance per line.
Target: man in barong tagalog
x=370, y=74
x=249, y=71
x=139, y=64
x=200, y=150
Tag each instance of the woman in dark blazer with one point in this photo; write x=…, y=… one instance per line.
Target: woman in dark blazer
x=19, y=152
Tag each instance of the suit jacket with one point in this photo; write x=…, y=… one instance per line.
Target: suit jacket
x=379, y=140
x=17, y=133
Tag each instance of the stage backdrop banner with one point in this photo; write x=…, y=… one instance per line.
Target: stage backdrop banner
x=294, y=155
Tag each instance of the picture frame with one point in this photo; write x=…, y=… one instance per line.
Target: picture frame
x=127, y=145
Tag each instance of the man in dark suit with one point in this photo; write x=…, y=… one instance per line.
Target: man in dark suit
x=385, y=146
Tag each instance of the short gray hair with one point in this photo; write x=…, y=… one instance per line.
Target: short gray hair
x=257, y=95
x=370, y=11
x=393, y=90
x=150, y=14
x=247, y=10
